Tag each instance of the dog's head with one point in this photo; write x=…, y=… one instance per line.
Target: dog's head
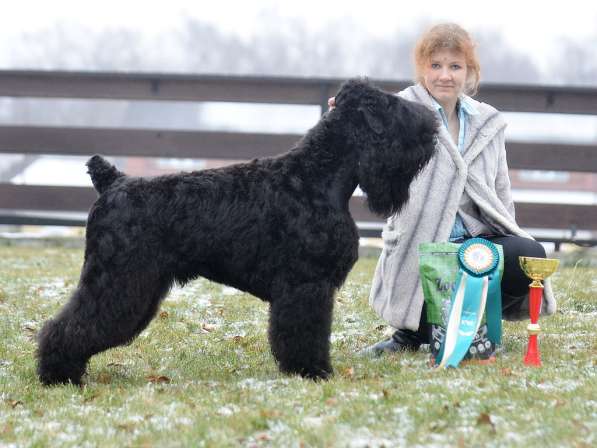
x=395, y=139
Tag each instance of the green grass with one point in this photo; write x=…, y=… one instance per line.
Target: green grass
x=202, y=375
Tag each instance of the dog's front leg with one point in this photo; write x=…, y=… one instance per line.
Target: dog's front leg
x=299, y=329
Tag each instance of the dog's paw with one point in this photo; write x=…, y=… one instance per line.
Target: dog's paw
x=51, y=379
x=51, y=374
x=317, y=374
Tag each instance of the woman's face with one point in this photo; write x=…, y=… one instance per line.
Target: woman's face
x=445, y=75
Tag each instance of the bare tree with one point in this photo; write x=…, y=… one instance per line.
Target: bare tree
x=500, y=62
x=576, y=62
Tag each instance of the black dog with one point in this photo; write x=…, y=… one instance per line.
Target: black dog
x=278, y=228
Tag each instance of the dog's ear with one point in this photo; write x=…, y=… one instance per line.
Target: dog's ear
x=351, y=91
x=372, y=121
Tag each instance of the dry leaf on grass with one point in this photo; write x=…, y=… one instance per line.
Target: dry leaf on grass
x=13, y=403
x=158, y=379
x=104, y=378
x=438, y=426
x=129, y=427
x=91, y=397
x=485, y=419
x=461, y=442
x=506, y=371
x=114, y=364
x=30, y=329
x=263, y=436
x=269, y=413
x=209, y=327
x=348, y=372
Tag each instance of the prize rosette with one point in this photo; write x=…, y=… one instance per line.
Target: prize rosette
x=478, y=260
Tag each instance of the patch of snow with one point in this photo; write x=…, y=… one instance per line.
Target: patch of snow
x=262, y=385
x=362, y=437
x=51, y=290
x=313, y=422
x=227, y=411
x=230, y=291
x=558, y=385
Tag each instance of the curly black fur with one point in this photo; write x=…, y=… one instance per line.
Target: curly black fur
x=278, y=228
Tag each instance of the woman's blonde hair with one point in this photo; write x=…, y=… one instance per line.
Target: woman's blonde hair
x=452, y=37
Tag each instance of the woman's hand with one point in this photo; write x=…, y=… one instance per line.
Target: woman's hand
x=332, y=102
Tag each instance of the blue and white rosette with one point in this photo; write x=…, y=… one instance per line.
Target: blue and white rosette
x=478, y=260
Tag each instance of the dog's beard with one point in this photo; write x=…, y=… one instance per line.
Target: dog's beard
x=388, y=190
x=386, y=201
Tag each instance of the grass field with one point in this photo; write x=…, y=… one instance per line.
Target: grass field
x=202, y=375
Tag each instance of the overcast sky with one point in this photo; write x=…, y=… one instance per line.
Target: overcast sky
x=530, y=26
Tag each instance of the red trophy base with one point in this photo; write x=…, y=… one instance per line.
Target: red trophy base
x=533, y=357
x=536, y=269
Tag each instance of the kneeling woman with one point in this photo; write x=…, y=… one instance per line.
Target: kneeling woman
x=463, y=192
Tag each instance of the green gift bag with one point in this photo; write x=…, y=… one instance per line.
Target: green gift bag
x=439, y=269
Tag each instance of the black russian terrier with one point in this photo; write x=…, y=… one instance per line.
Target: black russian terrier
x=278, y=228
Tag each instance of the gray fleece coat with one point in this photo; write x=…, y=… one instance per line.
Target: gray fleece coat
x=476, y=183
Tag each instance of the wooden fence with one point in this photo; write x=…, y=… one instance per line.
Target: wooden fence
x=28, y=204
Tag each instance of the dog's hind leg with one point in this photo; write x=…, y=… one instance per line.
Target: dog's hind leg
x=107, y=309
x=299, y=329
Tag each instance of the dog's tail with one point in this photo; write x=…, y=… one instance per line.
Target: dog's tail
x=102, y=173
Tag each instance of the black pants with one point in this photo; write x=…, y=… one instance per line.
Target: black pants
x=514, y=281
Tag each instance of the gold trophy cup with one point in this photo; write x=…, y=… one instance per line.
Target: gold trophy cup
x=536, y=269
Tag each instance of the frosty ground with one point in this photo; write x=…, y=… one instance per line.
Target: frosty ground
x=202, y=375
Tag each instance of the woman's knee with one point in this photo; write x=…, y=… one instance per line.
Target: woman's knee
x=531, y=248
x=519, y=246
x=514, y=281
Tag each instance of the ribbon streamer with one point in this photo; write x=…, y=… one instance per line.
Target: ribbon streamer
x=478, y=259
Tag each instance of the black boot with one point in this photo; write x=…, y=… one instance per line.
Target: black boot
x=401, y=341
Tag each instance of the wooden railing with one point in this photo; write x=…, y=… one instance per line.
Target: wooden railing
x=28, y=204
